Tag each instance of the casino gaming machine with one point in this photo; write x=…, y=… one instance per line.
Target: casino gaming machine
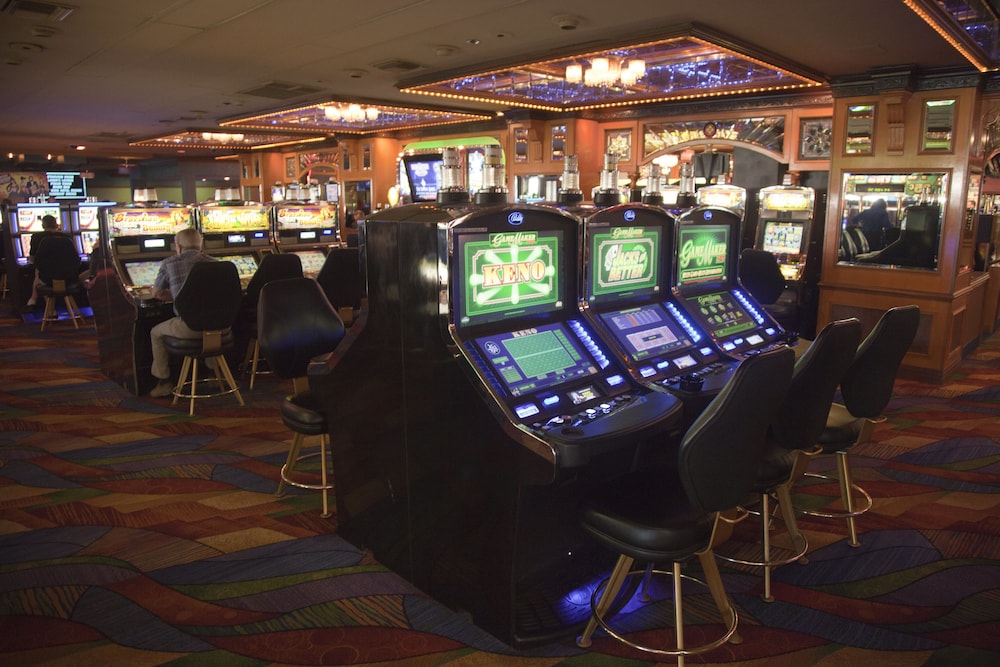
x=472, y=408
x=784, y=225
x=86, y=218
x=139, y=237
x=308, y=229
x=627, y=298
x=23, y=221
x=707, y=287
x=236, y=232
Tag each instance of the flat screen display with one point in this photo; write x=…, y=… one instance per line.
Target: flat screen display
x=88, y=241
x=88, y=217
x=507, y=274
x=141, y=273
x=232, y=218
x=305, y=216
x=645, y=331
x=312, y=261
x=29, y=218
x=625, y=262
x=66, y=185
x=246, y=265
x=533, y=359
x=782, y=238
x=721, y=313
x=702, y=254
x=424, y=174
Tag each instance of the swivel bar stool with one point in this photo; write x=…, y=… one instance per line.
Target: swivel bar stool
x=866, y=390
x=295, y=324
x=671, y=513
x=272, y=267
x=798, y=424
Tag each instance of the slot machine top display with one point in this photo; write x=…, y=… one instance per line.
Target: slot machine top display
x=234, y=226
x=304, y=223
x=707, y=287
x=514, y=315
x=148, y=221
x=626, y=295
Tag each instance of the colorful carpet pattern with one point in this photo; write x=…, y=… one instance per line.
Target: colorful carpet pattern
x=133, y=534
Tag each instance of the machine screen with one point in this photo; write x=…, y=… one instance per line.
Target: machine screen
x=246, y=265
x=306, y=216
x=533, y=359
x=29, y=219
x=233, y=218
x=782, y=238
x=424, y=175
x=625, y=262
x=645, y=331
x=702, y=254
x=142, y=273
x=507, y=274
x=88, y=241
x=312, y=261
x=721, y=312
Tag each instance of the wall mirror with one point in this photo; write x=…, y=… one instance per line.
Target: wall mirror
x=892, y=220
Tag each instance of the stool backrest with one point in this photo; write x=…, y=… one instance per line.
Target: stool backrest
x=57, y=259
x=761, y=275
x=802, y=415
x=722, y=449
x=867, y=385
x=273, y=266
x=210, y=297
x=295, y=323
x=340, y=277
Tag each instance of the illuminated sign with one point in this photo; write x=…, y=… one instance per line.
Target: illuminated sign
x=233, y=218
x=143, y=221
x=625, y=258
x=298, y=217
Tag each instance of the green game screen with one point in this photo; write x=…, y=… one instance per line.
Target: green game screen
x=702, y=253
x=625, y=261
x=507, y=274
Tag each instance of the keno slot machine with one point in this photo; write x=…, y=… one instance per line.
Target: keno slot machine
x=472, y=408
x=707, y=286
x=627, y=297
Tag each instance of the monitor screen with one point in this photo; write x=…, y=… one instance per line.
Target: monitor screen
x=625, y=262
x=721, y=312
x=29, y=218
x=537, y=358
x=702, y=254
x=645, y=331
x=141, y=273
x=424, y=174
x=312, y=261
x=305, y=216
x=66, y=185
x=246, y=265
x=507, y=274
x=782, y=238
x=88, y=241
x=88, y=217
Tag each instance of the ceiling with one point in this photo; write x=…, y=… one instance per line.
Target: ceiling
x=114, y=71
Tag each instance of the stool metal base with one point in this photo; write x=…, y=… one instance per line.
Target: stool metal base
x=605, y=594
x=188, y=382
x=856, y=500
x=294, y=457
x=51, y=315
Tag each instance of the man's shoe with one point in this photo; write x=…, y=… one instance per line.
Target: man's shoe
x=163, y=389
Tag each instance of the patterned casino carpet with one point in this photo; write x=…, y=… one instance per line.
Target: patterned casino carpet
x=132, y=534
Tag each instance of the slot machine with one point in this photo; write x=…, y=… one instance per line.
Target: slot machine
x=24, y=220
x=237, y=232
x=472, y=407
x=87, y=226
x=308, y=229
x=626, y=296
x=706, y=283
x=139, y=237
x=784, y=226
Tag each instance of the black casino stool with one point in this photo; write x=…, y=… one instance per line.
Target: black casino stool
x=67, y=291
x=296, y=324
x=797, y=425
x=207, y=303
x=866, y=390
x=272, y=267
x=670, y=514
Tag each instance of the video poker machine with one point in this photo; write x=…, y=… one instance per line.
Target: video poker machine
x=472, y=407
x=784, y=226
x=706, y=283
x=236, y=232
x=626, y=296
x=139, y=237
x=308, y=229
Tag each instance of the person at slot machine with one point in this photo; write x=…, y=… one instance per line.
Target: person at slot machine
x=170, y=278
x=50, y=229
x=874, y=222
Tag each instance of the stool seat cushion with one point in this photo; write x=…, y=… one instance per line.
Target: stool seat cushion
x=648, y=516
x=192, y=347
x=300, y=412
x=842, y=429
x=45, y=289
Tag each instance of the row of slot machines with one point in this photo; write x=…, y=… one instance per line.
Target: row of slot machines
x=510, y=359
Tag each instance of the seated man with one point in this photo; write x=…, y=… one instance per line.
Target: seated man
x=169, y=280
x=50, y=230
x=56, y=258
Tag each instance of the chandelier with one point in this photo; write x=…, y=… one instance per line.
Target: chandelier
x=351, y=113
x=222, y=137
x=607, y=71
